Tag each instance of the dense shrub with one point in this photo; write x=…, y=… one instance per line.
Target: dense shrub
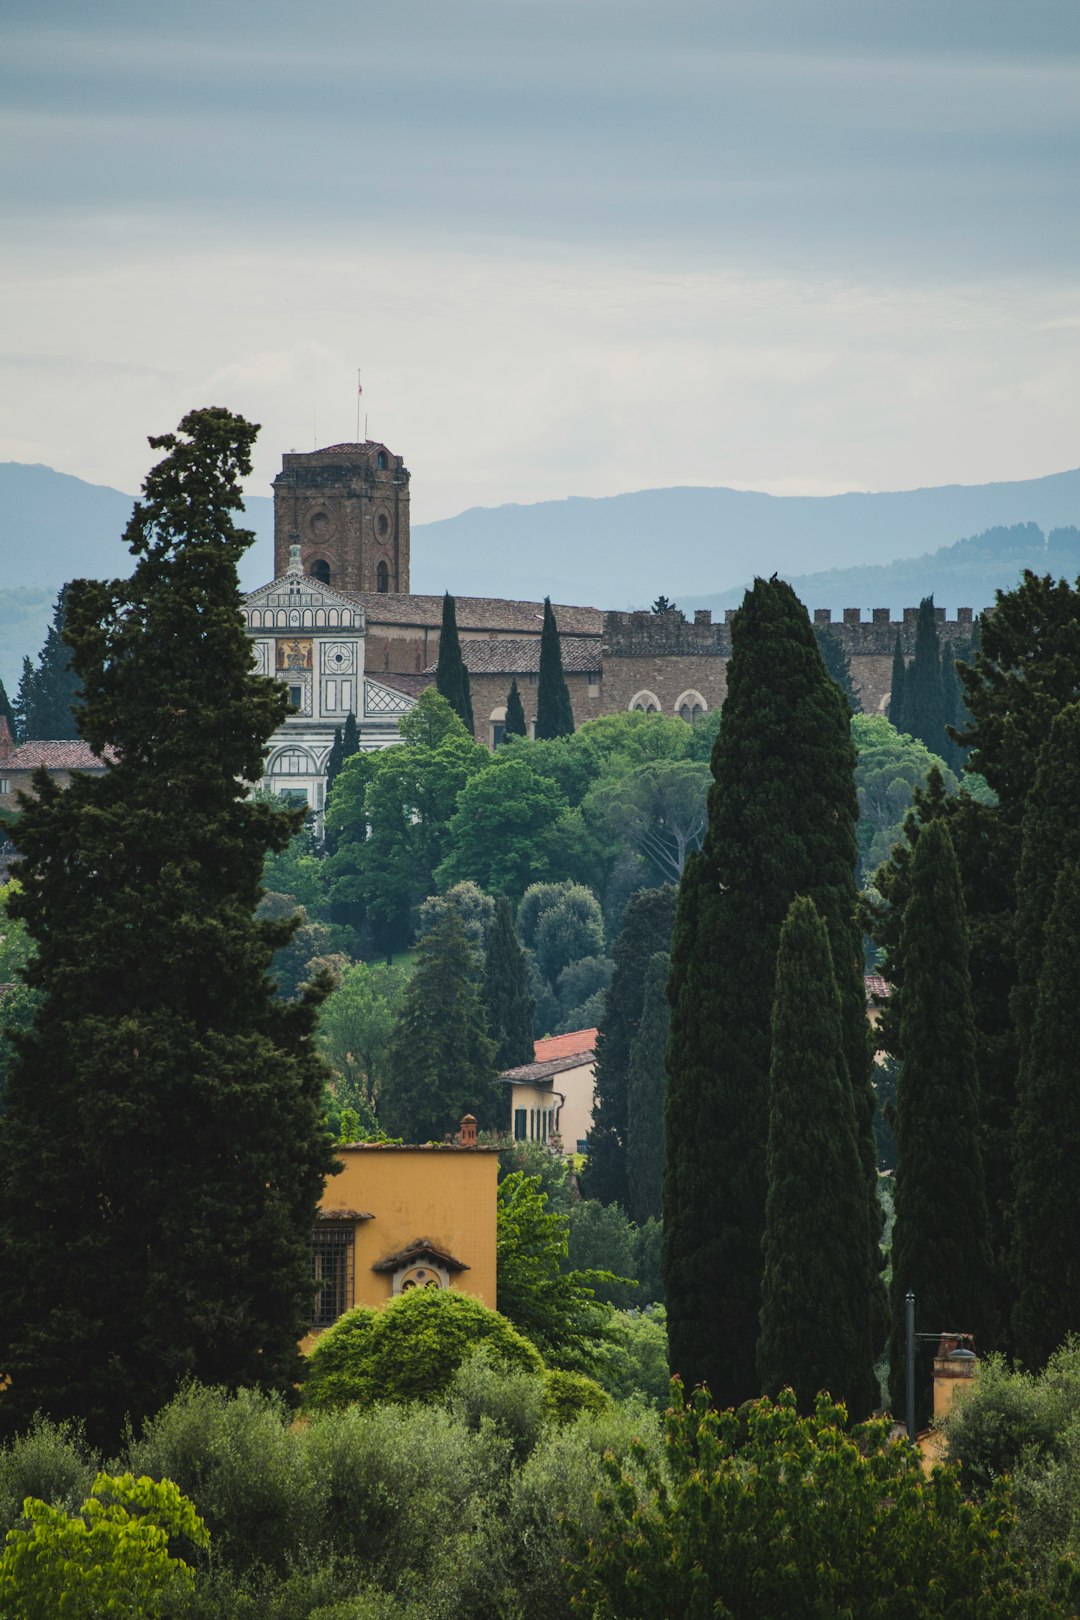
x=52, y=1462
x=635, y=1356
x=569, y=1394
x=408, y=1351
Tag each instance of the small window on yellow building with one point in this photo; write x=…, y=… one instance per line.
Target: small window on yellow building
x=420, y=1277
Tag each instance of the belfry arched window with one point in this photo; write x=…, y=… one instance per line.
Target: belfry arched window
x=320, y=569
x=382, y=579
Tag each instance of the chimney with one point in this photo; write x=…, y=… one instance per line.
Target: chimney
x=467, y=1131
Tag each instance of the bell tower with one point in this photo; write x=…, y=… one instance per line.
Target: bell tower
x=347, y=508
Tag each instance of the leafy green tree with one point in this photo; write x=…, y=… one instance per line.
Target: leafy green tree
x=897, y=710
x=409, y=1350
x=509, y=1005
x=602, y=1241
x=836, y=662
x=1047, y=1206
x=475, y=908
x=440, y=1063
x=941, y=1241
x=553, y=1305
x=646, y=1092
x=634, y=1357
x=17, y=1001
x=496, y=835
x=659, y=809
x=890, y=766
x=951, y=751
x=355, y=1025
x=782, y=817
x=48, y=693
x=112, y=1557
x=560, y=922
x=924, y=701
x=554, y=715
x=582, y=987
x=192, y=1152
x=815, y=1332
x=763, y=1513
x=514, y=724
x=646, y=929
x=451, y=676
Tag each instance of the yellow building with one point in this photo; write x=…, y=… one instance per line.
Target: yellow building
x=398, y=1218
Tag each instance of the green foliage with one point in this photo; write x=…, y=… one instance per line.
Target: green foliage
x=601, y=1241
x=554, y=715
x=497, y=833
x=48, y=1461
x=924, y=700
x=164, y=1107
x=440, y=1061
x=782, y=817
x=560, y=923
x=890, y=766
x=356, y=1022
x=646, y=928
x=897, y=712
x=49, y=692
x=815, y=1332
x=409, y=1350
x=1045, y=1258
x=763, y=1513
x=941, y=1245
x=451, y=676
x=510, y=1007
x=18, y=1001
x=110, y=1557
x=475, y=908
x=658, y=809
x=646, y=1093
x=514, y=724
x=554, y=1306
x=634, y=1358
x=836, y=662
x=569, y=1394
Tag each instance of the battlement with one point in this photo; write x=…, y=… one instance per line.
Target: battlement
x=673, y=635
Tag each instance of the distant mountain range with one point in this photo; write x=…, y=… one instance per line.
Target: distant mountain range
x=698, y=546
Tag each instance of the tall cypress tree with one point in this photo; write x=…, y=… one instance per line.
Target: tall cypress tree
x=8, y=713
x=646, y=928
x=1045, y=1252
x=815, y=1331
x=646, y=1092
x=441, y=1059
x=510, y=1007
x=837, y=663
x=335, y=760
x=924, y=701
x=554, y=715
x=897, y=694
x=941, y=1244
x=782, y=816
x=950, y=749
x=48, y=691
x=514, y=725
x=163, y=1149
x=451, y=676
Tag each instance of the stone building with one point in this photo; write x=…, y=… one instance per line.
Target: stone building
x=347, y=508
x=493, y=663
x=19, y=761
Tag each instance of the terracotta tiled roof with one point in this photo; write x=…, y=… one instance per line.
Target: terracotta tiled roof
x=75, y=755
x=477, y=613
x=411, y=685
x=520, y=655
x=417, y=1251
x=535, y=1072
x=877, y=986
x=578, y=1041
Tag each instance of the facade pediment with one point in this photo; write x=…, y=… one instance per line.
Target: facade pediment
x=298, y=602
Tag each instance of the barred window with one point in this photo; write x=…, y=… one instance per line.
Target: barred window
x=332, y=1271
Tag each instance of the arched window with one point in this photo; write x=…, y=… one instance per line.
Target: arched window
x=644, y=703
x=320, y=569
x=690, y=707
x=381, y=461
x=382, y=579
x=382, y=525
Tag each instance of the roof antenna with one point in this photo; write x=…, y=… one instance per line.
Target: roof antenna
x=359, y=392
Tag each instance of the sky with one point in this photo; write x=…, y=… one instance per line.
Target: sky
x=573, y=248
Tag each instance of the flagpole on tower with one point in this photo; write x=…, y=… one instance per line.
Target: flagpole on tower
x=359, y=392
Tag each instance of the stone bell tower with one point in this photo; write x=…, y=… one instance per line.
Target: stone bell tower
x=347, y=508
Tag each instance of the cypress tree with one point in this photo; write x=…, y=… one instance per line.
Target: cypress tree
x=451, y=676
x=48, y=692
x=646, y=928
x=350, y=738
x=950, y=750
x=335, y=760
x=782, y=816
x=815, y=1331
x=510, y=1007
x=514, y=724
x=8, y=713
x=837, y=663
x=1045, y=1252
x=163, y=1149
x=897, y=709
x=441, y=1059
x=646, y=1092
x=554, y=715
x=941, y=1246
x=924, y=701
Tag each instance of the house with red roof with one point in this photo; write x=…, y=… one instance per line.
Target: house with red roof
x=19, y=761
x=551, y=1098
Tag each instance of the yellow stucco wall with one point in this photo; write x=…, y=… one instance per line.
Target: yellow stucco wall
x=569, y=1095
x=444, y=1194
